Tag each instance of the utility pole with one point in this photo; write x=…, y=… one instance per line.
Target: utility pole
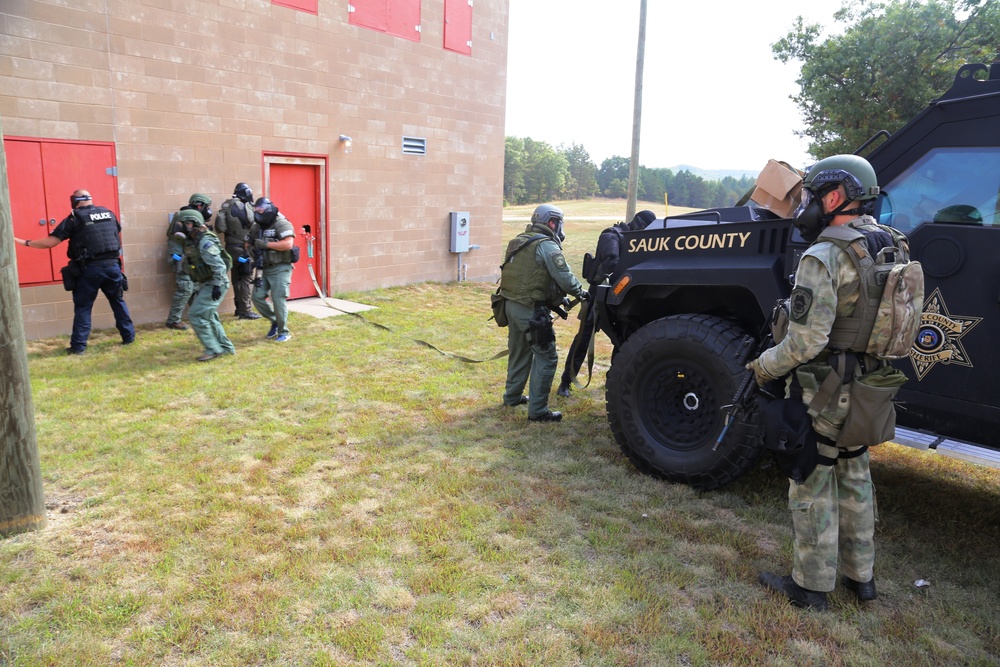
x=22, y=502
x=633, y=164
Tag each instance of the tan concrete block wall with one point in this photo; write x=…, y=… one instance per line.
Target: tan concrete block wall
x=194, y=93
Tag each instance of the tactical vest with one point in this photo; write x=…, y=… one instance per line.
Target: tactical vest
x=196, y=267
x=237, y=222
x=96, y=234
x=522, y=279
x=273, y=257
x=874, y=256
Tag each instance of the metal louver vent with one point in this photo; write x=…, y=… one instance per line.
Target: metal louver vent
x=414, y=146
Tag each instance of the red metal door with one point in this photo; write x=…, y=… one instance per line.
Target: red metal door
x=41, y=176
x=295, y=190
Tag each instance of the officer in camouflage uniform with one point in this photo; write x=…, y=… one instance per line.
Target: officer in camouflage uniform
x=270, y=241
x=535, y=278
x=233, y=222
x=833, y=509
x=206, y=263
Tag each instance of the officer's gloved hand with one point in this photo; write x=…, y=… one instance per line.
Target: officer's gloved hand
x=584, y=297
x=216, y=292
x=261, y=244
x=760, y=375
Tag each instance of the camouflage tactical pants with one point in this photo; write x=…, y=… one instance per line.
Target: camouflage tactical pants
x=833, y=513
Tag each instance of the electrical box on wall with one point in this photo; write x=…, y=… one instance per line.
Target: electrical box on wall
x=459, y=231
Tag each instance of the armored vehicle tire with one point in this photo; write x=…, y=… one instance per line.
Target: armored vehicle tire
x=665, y=395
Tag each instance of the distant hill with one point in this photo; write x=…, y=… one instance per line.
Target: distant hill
x=716, y=174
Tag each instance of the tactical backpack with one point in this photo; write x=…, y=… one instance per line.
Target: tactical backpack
x=887, y=315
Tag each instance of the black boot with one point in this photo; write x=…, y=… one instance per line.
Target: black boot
x=865, y=590
x=798, y=596
x=549, y=416
x=563, y=389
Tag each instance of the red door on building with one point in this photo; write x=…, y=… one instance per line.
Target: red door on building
x=296, y=189
x=41, y=176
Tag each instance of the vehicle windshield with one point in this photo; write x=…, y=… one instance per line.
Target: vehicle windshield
x=957, y=185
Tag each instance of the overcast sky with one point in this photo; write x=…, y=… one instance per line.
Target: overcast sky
x=714, y=96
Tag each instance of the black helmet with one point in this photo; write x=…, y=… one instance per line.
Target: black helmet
x=641, y=220
x=243, y=192
x=547, y=213
x=264, y=212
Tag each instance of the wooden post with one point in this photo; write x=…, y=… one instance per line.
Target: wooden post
x=633, y=164
x=22, y=501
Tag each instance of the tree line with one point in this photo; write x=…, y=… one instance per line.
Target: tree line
x=535, y=172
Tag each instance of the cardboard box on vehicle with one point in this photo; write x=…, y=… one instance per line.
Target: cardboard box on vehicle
x=778, y=188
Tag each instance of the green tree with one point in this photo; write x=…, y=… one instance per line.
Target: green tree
x=582, y=180
x=513, y=171
x=892, y=59
x=612, y=169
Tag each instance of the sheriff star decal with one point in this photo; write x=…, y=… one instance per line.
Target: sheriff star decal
x=939, y=340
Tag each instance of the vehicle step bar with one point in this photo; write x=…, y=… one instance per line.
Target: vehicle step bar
x=958, y=449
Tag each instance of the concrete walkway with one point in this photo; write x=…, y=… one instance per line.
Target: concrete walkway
x=316, y=307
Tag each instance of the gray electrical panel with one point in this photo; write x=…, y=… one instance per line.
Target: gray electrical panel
x=459, y=231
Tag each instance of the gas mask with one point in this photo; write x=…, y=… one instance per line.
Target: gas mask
x=559, y=230
x=810, y=219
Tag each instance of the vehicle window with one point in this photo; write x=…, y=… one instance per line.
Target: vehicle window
x=957, y=185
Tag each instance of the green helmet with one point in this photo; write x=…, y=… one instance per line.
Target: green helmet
x=187, y=215
x=199, y=198
x=852, y=171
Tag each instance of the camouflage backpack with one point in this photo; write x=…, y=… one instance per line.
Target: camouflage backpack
x=887, y=316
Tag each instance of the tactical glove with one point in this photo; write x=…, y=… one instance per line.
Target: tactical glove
x=261, y=244
x=760, y=375
x=216, y=292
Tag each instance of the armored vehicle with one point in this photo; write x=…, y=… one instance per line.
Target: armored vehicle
x=692, y=294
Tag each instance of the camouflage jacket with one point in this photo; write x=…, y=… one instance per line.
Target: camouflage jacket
x=827, y=285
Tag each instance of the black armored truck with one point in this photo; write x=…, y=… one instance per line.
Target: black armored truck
x=692, y=294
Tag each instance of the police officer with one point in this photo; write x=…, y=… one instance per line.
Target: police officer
x=233, y=223
x=94, y=253
x=833, y=508
x=183, y=287
x=535, y=278
x=176, y=236
x=271, y=241
x=208, y=266
x=203, y=204
x=603, y=266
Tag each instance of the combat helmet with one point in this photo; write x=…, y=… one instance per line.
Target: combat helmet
x=243, y=192
x=547, y=213
x=852, y=171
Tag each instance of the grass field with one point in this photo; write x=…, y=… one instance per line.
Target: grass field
x=351, y=498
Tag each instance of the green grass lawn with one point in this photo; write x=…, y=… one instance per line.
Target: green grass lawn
x=351, y=498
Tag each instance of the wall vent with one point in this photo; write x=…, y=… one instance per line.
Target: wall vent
x=414, y=146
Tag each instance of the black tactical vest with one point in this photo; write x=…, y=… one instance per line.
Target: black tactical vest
x=95, y=235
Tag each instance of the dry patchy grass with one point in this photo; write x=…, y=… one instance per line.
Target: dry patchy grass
x=360, y=500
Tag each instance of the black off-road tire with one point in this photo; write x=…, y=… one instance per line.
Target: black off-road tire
x=665, y=395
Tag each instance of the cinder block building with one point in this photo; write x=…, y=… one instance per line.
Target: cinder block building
x=367, y=122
